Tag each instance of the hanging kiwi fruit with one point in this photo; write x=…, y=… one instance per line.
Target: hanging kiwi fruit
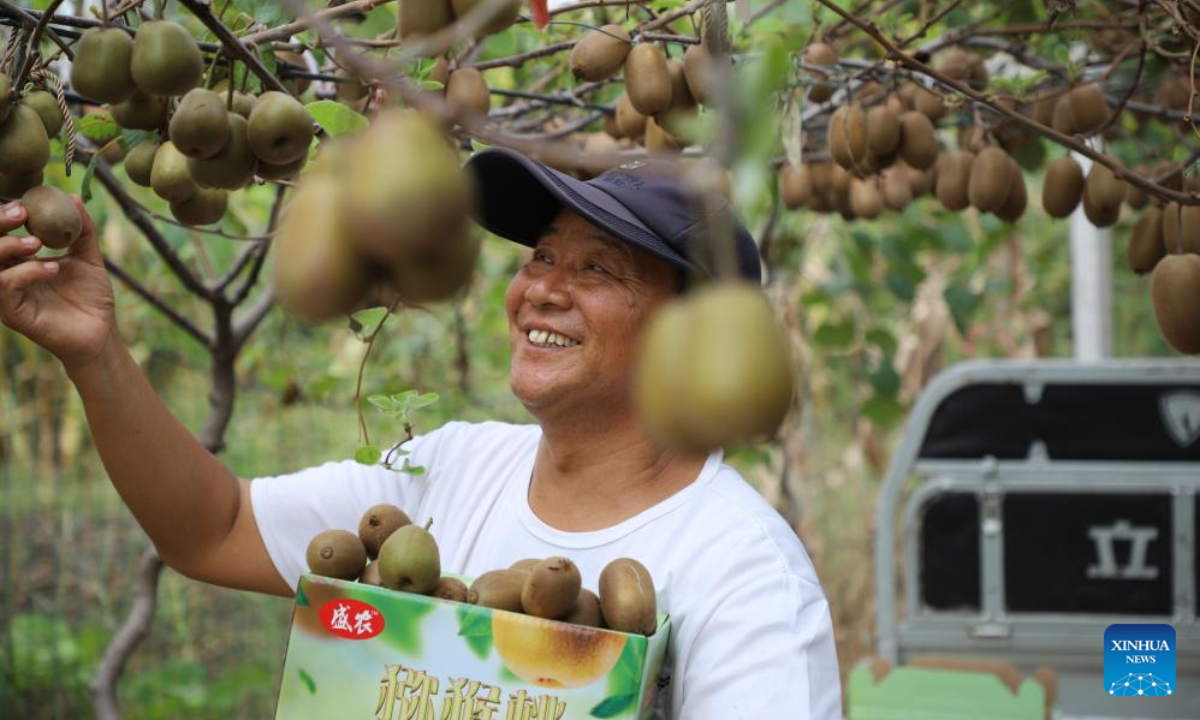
x=165, y=59
x=600, y=53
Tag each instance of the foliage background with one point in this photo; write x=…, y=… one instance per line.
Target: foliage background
x=874, y=309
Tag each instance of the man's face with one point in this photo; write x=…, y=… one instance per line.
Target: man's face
x=595, y=293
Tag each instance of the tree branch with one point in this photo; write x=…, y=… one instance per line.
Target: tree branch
x=157, y=303
x=252, y=317
x=232, y=46
x=7, y=9
x=135, y=628
x=283, y=32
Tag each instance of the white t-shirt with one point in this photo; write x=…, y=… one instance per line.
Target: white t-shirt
x=751, y=630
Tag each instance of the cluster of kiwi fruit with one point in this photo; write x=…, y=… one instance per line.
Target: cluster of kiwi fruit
x=390, y=551
x=363, y=226
x=425, y=17
x=689, y=397
x=29, y=118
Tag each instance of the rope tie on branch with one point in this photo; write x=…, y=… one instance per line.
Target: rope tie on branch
x=51, y=80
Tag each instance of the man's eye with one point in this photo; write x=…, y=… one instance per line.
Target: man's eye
x=596, y=267
x=541, y=257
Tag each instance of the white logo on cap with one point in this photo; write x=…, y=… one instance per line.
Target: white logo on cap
x=632, y=165
x=1181, y=415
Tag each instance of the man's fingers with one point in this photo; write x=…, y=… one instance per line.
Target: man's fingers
x=19, y=277
x=12, y=216
x=16, y=249
x=87, y=247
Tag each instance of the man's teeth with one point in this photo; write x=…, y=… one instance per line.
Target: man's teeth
x=546, y=339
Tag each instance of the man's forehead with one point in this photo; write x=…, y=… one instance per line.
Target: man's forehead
x=570, y=223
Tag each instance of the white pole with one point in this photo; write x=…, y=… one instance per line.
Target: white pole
x=1091, y=284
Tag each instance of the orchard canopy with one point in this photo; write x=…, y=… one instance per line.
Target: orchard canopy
x=359, y=115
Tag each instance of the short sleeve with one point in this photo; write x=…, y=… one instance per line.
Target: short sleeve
x=291, y=509
x=766, y=650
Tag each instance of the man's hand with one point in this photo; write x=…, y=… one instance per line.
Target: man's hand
x=64, y=304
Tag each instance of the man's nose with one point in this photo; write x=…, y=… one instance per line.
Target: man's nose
x=551, y=288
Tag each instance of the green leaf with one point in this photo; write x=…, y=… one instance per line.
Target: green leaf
x=85, y=185
x=383, y=402
x=308, y=681
x=336, y=119
x=416, y=402
x=98, y=127
x=132, y=138
x=962, y=303
x=412, y=469
x=475, y=627
x=614, y=706
x=884, y=410
x=368, y=455
x=835, y=334
x=364, y=322
x=431, y=85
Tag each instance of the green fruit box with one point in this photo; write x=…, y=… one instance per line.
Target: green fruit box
x=361, y=651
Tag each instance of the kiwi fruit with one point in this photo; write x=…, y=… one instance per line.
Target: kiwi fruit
x=1181, y=228
x=424, y=17
x=351, y=91
x=627, y=599
x=166, y=59
x=600, y=153
x=1089, y=109
x=820, y=53
x=740, y=388
x=317, y=272
x=500, y=18
x=467, y=93
x=499, y=590
x=953, y=178
x=46, y=106
x=449, y=588
x=24, y=145
x=139, y=163
x=1063, y=119
x=990, y=180
x=954, y=63
x=897, y=192
x=915, y=96
x=169, y=176
x=923, y=182
x=918, y=141
x=440, y=275
x=551, y=589
x=848, y=136
x=796, y=186
x=1103, y=187
x=1100, y=216
x=1063, y=187
x=527, y=565
x=865, y=199
x=600, y=53
x=1135, y=197
x=1174, y=93
x=280, y=129
x=52, y=217
x=681, y=94
x=141, y=112
x=14, y=186
x=1017, y=199
x=883, y=131
x=399, y=211
x=337, y=554
x=658, y=141
x=698, y=68
x=205, y=207
x=409, y=560
x=973, y=138
x=101, y=69
x=242, y=104
x=631, y=122
x=371, y=576
x=1146, y=241
x=232, y=168
x=378, y=523
x=647, y=79
x=6, y=96
x=1175, y=292
x=200, y=126
x=586, y=611
x=267, y=171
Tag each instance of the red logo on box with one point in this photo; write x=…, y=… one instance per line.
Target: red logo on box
x=351, y=619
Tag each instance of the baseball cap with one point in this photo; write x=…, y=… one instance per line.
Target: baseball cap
x=641, y=203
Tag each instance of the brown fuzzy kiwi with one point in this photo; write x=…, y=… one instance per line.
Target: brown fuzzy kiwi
x=918, y=143
x=824, y=54
x=205, y=207
x=954, y=62
x=601, y=153
x=1146, y=241
x=370, y=575
x=681, y=95
x=795, y=186
x=627, y=598
x=848, y=136
x=647, y=79
x=141, y=112
x=883, y=131
x=973, y=139
x=698, y=69
x=501, y=17
x=586, y=611
x=424, y=17
x=551, y=589
x=1018, y=195
x=658, y=141
x=337, y=554
x=1181, y=228
x=924, y=101
x=14, y=186
x=1063, y=187
x=1103, y=188
x=449, y=588
x=953, y=176
x=1174, y=93
x=600, y=54
x=1175, y=292
x=897, y=193
x=631, y=122
x=525, y=565
x=378, y=523
x=46, y=106
x=1088, y=108
x=51, y=216
x=1135, y=197
x=990, y=180
x=923, y=182
x=1064, y=116
x=865, y=199
x=1101, y=217
x=467, y=93
x=498, y=589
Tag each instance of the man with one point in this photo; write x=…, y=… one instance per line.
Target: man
x=752, y=636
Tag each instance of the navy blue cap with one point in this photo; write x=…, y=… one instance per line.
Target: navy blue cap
x=642, y=203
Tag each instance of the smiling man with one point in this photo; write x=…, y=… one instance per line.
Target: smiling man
x=752, y=636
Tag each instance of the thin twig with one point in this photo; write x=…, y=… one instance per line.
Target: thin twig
x=157, y=303
x=232, y=45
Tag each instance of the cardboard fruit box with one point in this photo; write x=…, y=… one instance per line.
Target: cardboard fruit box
x=358, y=651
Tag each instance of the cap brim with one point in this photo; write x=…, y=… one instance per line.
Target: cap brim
x=517, y=198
